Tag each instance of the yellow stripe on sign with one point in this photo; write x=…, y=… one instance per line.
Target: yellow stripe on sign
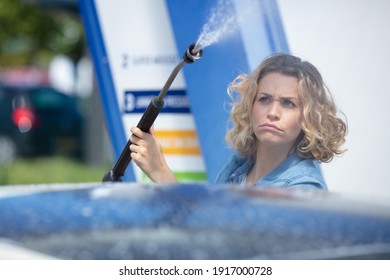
x=178, y=142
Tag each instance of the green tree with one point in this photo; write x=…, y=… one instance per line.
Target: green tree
x=30, y=34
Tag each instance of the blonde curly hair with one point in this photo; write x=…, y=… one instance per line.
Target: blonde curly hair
x=323, y=132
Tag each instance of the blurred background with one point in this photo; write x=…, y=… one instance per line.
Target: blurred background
x=51, y=129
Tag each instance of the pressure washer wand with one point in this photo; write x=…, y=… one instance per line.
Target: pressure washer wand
x=116, y=173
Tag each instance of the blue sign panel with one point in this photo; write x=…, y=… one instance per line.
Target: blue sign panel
x=176, y=101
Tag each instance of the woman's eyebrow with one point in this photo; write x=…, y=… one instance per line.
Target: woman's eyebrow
x=264, y=93
x=282, y=97
x=289, y=97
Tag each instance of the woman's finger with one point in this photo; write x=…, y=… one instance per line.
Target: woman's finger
x=134, y=148
x=137, y=132
x=151, y=129
x=134, y=139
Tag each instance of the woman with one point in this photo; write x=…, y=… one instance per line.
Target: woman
x=284, y=123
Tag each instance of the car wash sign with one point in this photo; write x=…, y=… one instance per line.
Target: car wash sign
x=135, y=44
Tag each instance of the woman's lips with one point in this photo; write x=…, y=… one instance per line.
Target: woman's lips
x=269, y=126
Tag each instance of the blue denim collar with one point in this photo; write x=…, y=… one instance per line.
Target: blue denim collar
x=245, y=165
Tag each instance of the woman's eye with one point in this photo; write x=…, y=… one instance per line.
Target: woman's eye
x=288, y=103
x=265, y=99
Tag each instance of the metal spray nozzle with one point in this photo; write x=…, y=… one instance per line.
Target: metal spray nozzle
x=191, y=54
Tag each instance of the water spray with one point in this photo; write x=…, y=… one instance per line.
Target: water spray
x=116, y=173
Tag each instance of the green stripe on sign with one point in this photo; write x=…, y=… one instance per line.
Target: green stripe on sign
x=190, y=176
x=182, y=177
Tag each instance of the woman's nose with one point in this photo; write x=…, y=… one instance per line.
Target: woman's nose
x=274, y=111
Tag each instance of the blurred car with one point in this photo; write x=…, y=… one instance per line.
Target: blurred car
x=188, y=221
x=38, y=120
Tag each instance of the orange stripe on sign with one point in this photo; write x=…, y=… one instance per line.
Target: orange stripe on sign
x=178, y=142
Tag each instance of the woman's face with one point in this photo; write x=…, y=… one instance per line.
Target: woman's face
x=276, y=112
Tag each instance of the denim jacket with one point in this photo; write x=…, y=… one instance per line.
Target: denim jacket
x=294, y=172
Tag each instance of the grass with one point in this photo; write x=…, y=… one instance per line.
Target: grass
x=49, y=170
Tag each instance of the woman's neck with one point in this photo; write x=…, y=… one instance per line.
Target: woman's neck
x=267, y=159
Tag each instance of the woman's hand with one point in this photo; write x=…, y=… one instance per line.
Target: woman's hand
x=147, y=153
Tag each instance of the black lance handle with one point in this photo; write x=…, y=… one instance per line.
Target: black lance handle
x=118, y=170
x=146, y=121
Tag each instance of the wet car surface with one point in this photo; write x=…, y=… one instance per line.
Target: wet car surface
x=191, y=221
